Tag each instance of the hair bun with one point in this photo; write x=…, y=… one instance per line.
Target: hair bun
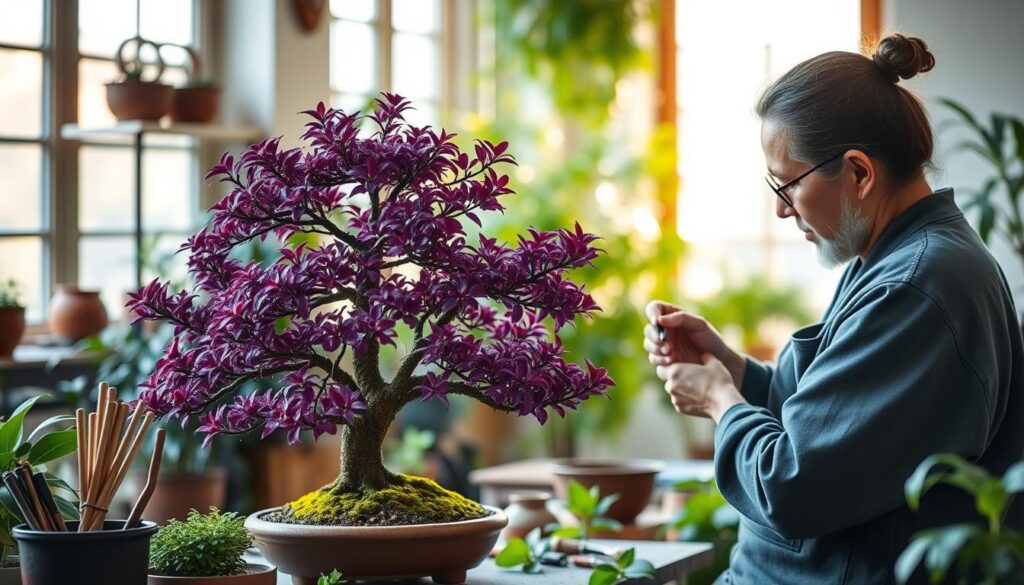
x=901, y=56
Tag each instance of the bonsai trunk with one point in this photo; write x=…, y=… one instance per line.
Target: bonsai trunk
x=362, y=463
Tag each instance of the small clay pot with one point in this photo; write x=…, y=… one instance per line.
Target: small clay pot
x=75, y=313
x=139, y=100
x=254, y=575
x=178, y=493
x=12, y=327
x=195, y=104
x=526, y=511
x=632, y=479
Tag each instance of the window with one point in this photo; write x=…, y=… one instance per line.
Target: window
x=67, y=209
x=107, y=218
x=25, y=152
x=387, y=45
x=726, y=211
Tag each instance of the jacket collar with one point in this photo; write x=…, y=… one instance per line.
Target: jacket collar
x=936, y=207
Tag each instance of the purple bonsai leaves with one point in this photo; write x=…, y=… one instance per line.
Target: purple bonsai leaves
x=388, y=211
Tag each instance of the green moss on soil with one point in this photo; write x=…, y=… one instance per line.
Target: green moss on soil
x=414, y=500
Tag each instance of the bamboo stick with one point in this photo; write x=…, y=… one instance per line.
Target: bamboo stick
x=119, y=466
x=106, y=416
x=82, y=438
x=10, y=479
x=151, y=478
x=33, y=498
x=49, y=505
x=91, y=431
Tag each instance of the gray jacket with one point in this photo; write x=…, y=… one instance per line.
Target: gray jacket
x=919, y=353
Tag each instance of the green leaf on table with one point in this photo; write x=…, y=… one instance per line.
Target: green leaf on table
x=515, y=553
x=606, y=524
x=605, y=503
x=567, y=532
x=580, y=499
x=53, y=446
x=11, y=430
x=531, y=567
x=641, y=568
x=604, y=575
x=627, y=558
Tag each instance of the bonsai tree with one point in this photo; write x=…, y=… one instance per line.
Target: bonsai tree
x=389, y=204
x=204, y=545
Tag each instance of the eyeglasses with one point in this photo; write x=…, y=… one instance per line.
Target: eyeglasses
x=780, y=190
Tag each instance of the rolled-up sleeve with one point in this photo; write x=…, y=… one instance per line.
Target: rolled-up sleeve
x=887, y=391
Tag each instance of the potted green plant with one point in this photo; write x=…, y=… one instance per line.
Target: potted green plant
x=12, y=317
x=205, y=549
x=984, y=551
x=1000, y=144
x=389, y=204
x=748, y=304
x=704, y=516
x=47, y=442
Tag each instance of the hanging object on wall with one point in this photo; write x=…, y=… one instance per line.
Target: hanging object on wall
x=310, y=13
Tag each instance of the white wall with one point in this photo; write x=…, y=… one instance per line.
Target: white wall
x=979, y=61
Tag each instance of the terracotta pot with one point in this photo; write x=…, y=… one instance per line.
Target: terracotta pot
x=75, y=313
x=632, y=479
x=254, y=575
x=195, y=104
x=178, y=493
x=12, y=327
x=526, y=511
x=443, y=551
x=139, y=100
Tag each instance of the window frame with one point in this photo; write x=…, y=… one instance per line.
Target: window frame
x=60, y=233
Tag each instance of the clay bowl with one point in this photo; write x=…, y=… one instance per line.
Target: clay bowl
x=632, y=479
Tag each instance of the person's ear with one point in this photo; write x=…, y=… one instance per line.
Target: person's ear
x=861, y=172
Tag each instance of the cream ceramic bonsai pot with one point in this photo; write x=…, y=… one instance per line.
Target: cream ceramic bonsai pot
x=442, y=551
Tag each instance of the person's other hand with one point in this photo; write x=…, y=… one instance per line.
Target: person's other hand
x=687, y=337
x=704, y=389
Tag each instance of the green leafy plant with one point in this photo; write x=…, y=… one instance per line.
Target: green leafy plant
x=333, y=579
x=406, y=455
x=706, y=517
x=525, y=553
x=626, y=567
x=1000, y=143
x=749, y=303
x=41, y=446
x=10, y=293
x=562, y=63
x=204, y=545
x=589, y=508
x=997, y=552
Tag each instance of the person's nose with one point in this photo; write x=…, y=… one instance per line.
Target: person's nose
x=782, y=210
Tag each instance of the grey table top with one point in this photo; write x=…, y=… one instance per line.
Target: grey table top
x=672, y=560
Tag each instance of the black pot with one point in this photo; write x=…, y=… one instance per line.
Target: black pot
x=106, y=557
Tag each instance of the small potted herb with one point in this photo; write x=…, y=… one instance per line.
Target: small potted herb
x=12, y=317
x=203, y=550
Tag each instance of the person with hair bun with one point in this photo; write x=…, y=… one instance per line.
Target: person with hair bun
x=918, y=353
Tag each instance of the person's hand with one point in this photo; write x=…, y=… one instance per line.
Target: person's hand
x=704, y=389
x=687, y=337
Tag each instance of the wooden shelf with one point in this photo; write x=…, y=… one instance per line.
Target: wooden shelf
x=128, y=128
